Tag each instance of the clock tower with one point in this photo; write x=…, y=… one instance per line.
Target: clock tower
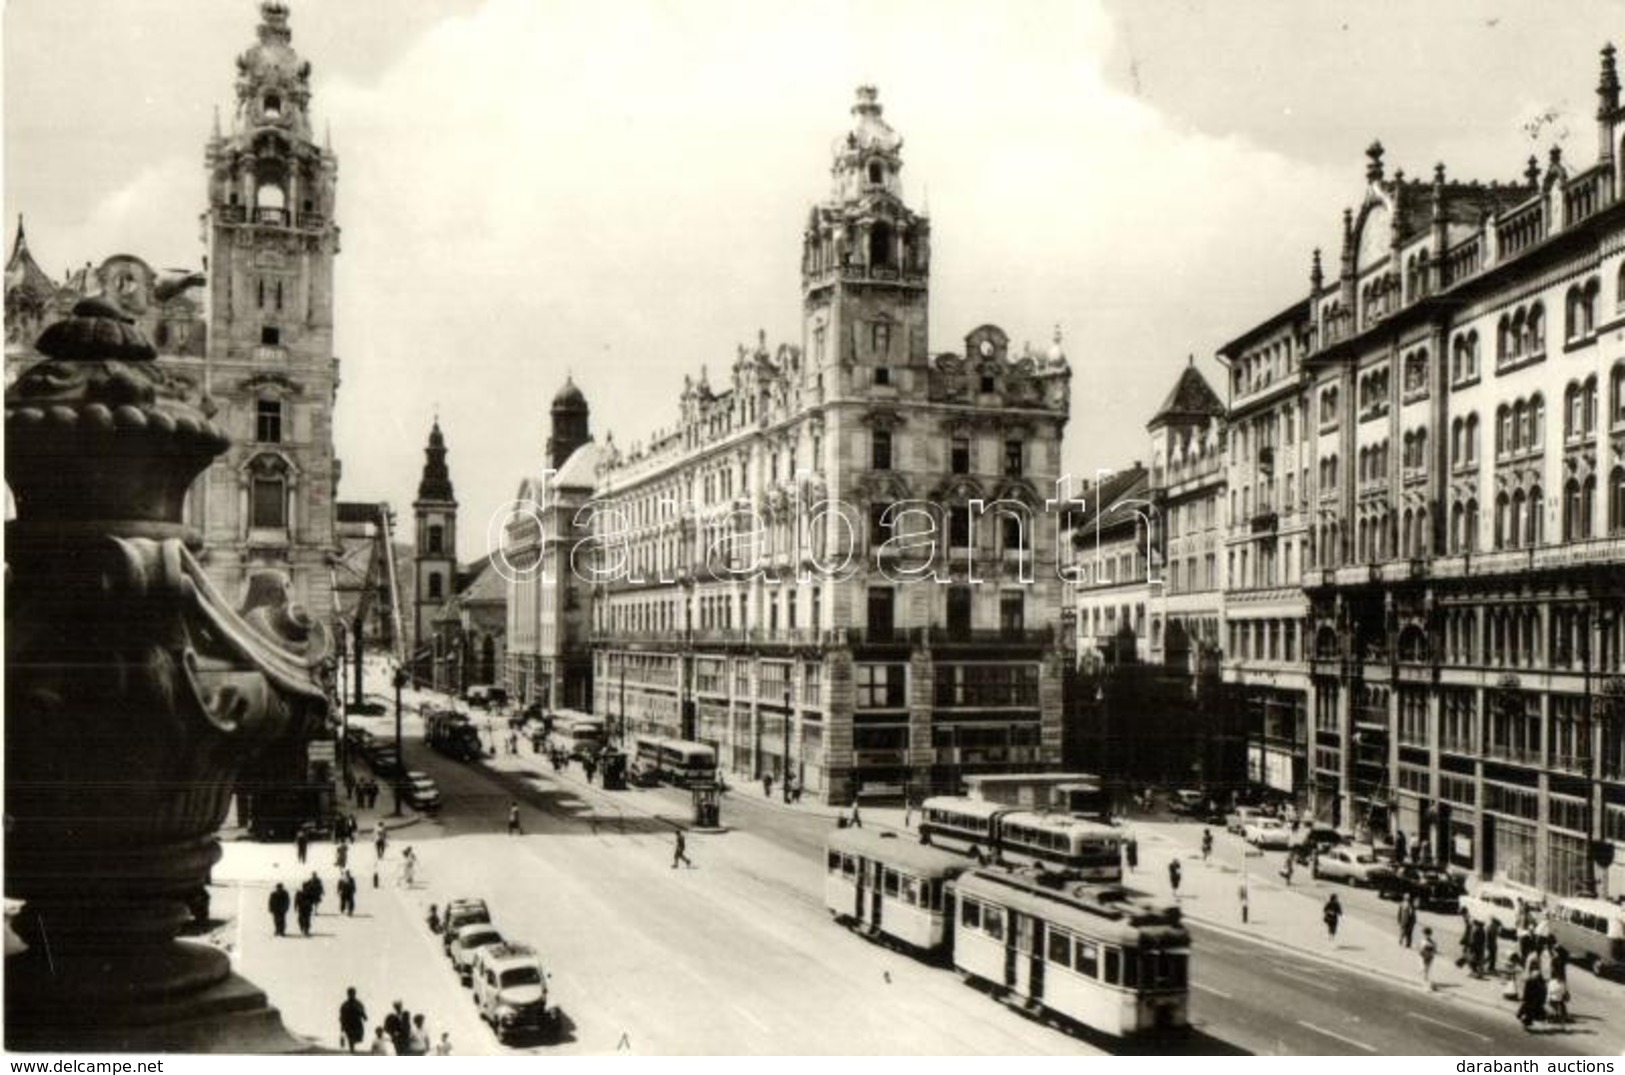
x=271, y=375
x=865, y=266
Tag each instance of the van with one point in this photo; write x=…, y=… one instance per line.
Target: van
x=1499, y=906
x=1592, y=930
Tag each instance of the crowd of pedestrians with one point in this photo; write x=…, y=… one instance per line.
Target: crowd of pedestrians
x=401, y=1033
x=1534, y=966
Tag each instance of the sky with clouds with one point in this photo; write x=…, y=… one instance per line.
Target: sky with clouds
x=535, y=188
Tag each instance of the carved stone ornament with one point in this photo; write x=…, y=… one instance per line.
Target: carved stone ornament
x=134, y=694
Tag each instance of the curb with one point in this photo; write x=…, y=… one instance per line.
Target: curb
x=1371, y=972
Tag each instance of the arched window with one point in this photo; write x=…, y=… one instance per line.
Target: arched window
x=1472, y=438
x=1571, y=509
x=1424, y=539
x=1590, y=405
x=1535, y=529
x=1537, y=424
x=1535, y=330
x=1519, y=440
x=1503, y=430
x=1572, y=316
x=1616, y=396
x=268, y=493
x=1503, y=339
x=880, y=244
x=1457, y=514
x=1407, y=536
x=1470, y=540
x=1515, y=523
x=1588, y=505
x=1616, y=501
x=1503, y=511
x=1572, y=418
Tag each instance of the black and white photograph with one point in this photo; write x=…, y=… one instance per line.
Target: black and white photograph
x=561, y=529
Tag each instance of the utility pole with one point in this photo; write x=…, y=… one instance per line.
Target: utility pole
x=400, y=758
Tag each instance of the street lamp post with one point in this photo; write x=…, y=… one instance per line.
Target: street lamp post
x=786, y=781
x=400, y=758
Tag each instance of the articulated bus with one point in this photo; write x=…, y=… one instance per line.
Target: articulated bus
x=890, y=886
x=677, y=761
x=1086, y=850
x=1095, y=955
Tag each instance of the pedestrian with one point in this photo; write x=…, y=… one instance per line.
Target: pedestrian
x=381, y=1043
x=1427, y=951
x=443, y=1048
x=417, y=1040
x=341, y=853
x=1331, y=916
x=513, y=819
x=392, y=1024
x=679, y=852
x=908, y=815
x=352, y=1020
x=1532, y=1006
x=403, y=1033
x=1492, y=945
x=1400, y=848
x=1286, y=868
x=434, y=919
x=795, y=795
x=1207, y=844
x=1133, y=847
x=1173, y=876
x=409, y=867
x=380, y=840
x=767, y=785
x=1557, y=998
x=316, y=889
x=303, y=909
x=857, y=820
x=301, y=842
x=347, y=894
x=589, y=767
x=278, y=906
x=1407, y=919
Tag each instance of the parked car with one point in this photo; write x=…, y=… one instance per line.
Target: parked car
x=421, y=792
x=459, y=913
x=1500, y=905
x=510, y=990
x=1236, y=821
x=1187, y=801
x=1354, y=865
x=1434, y=887
x=468, y=941
x=1316, y=838
x=385, y=761
x=486, y=695
x=1267, y=832
x=1592, y=930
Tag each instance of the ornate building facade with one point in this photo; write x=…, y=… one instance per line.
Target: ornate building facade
x=840, y=564
x=1458, y=462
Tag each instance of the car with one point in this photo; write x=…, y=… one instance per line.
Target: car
x=459, y=913
x=385, y=762
x=469, y=940
x=1316, y=839
x=1354, y=865
x=1237, y=819
x=1187, y=801
x=1499, y=905
x=510, y=990
x=1433, y=886
x=486, y=696
x=1267, y=832
x=421, y=792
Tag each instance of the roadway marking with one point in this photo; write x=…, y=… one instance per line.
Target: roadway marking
x=1316, y=982
x=1210, y=989
x=1449, y=1026
x=1339, y=1037
x=757, y=1023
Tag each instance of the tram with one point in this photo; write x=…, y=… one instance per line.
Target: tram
x=579, y=737
x=676, y=761
x=891, y=887
x=1086, y=850
x=1095, y=955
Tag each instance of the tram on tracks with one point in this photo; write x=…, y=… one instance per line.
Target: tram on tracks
x=1099, y=956
x=675, y=761
x=579, y=737
x=1086, y=850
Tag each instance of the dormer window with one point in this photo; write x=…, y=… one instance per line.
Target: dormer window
x=876, y=173
x=273, y=106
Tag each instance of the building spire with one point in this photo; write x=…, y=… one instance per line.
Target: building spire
x=1608, y=85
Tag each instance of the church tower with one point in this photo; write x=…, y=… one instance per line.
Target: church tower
x=865, y=266
x=271, y=373
x=570, y=428
x=435, y=562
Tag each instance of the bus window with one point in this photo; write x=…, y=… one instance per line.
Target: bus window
x=1060, y=947
x=834, y=861
x=970, y=913
x=1114, y=959
x=1131, y=968
x=993, y=923
x=1088, y=962
x=911, y=891
x=888, y=882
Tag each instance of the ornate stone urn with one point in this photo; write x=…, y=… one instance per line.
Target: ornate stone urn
x=134, y=693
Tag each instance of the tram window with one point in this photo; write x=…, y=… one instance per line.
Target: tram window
x=834, y=861
x=1060, y=947
x=1114, y=959
x=1178, y=968
x=993, y=923
x=970, y=913
x=849, y=867
x=911, y=891
x=1131, y=969
x=1088, y=962
x=888, y=882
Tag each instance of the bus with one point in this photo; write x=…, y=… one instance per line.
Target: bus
x=1093, y=955
x=891, y=887
x=579, y=737
x=989, y=831
x=677, y=761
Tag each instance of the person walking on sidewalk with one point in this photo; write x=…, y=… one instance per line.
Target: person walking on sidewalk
x=352, y=1020
x=1331, y=916
x=341, y=853
x=380, y=840
x=857, y=819
x=301, y=842
x=303, y=908
x=1427, y=951
x=1286, y=870
x=679, y=852
x=1173, y=876
x=381, y=1043
x=443, y=1048
x=767, y=785
x=1131, y=847
x=278, y=906
x=513, y=819
x=347, y=894
x=1407, y=920
x=1207, y=844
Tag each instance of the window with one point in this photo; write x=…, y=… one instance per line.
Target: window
x=882, y=375
x=970, y=914
x=959, y=611
x=270, y=502
x=959, y=527
x=880, y=337
x=1616, y=396
x=881, y=686
x=437, y=538
x=268, y=421
x=881, y=601
x=988, y=383
x=1088, y=960
x=880, y=449
x=1060, y=947
x=959, y=455
x=1012, y=612
x=1012, y=458
x=879, y=529
x=436, y=587
x=270, y=335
